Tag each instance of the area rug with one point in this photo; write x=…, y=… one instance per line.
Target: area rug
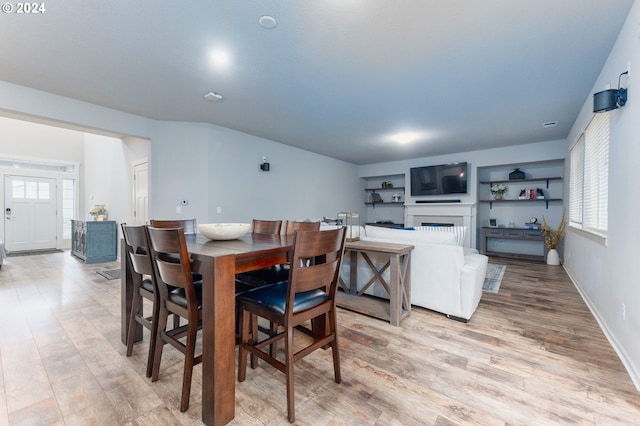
x=32, y=252
x=112, y=274
x=493, y=279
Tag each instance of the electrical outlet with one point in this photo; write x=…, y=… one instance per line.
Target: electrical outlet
x=219, y=210
x=623, y=312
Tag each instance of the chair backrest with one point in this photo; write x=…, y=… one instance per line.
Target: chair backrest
x=272, y=227
x=137, y=244
x=315, y=262
x=292, y=226
x=190, y=226
x=170, y=254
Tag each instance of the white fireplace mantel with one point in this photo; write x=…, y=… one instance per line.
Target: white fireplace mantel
x=456, y=213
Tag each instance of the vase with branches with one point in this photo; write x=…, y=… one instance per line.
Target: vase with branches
x=552, y=238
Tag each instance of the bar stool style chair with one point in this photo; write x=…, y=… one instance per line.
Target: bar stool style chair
x=169, y=252
x=190, y=227
x=308, y=294
x=278, y=273
x=144, y=286
x=271, y=227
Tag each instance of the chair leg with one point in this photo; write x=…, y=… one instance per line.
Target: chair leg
x=133, y=323
x=288, y=349
x=163, y=317
x=244, y=339
x=154, y=336
x=189, y=358
x=253, y=321
x=334, y=347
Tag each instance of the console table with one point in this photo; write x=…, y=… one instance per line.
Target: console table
x=94, y=241
x=398, y=288
x=533, y=235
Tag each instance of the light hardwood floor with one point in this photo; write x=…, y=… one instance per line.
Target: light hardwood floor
x=531, y=355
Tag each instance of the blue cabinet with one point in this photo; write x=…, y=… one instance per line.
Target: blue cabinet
x=94, y=241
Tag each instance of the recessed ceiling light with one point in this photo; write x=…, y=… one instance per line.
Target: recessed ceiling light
x=267, y=22
x=219, y=58
x=550, y=124
x=213, y=97
x=405, y=138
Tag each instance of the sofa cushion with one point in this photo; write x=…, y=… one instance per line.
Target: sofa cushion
x=413, y=236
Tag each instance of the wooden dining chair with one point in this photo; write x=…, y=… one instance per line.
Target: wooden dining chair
x=271, y=227
x=308, y=294
x=169, y=252
x=144, y=286
x=277, y=273
x=190, y=226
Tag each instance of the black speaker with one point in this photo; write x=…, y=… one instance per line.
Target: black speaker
x=606, y=100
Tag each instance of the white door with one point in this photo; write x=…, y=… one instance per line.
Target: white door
x=30, y=213
x=141, y=193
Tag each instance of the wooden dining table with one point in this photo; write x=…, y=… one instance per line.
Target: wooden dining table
x=218, y=262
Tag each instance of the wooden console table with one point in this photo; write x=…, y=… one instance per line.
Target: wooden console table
x=398, y=306
x=532, y=235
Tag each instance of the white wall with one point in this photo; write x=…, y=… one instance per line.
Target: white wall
x=607, y=275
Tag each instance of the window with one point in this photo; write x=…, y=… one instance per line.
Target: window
x=68, y=202
x=589, y=178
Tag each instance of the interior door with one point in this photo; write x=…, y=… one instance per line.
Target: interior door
x=141, y=193
x=30, y=213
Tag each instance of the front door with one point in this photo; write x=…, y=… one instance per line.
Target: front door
x=30, y=213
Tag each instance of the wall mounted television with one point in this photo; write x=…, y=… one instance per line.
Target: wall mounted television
x=439, y=180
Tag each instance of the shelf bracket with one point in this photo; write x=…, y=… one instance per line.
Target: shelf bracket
x=490, y=205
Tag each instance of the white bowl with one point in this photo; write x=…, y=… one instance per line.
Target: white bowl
x=223, y=231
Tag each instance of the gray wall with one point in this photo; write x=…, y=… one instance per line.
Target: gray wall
x=606, y=271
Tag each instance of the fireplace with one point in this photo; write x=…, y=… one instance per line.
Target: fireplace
x=444, y=214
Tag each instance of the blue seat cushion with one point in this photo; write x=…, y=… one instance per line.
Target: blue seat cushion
x=147, y=285
x=274, y=298
x=269, y=275
x=179, y=297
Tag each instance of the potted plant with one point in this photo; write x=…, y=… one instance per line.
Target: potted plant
x=99, y=212
x=498, y=190
x=551, y=239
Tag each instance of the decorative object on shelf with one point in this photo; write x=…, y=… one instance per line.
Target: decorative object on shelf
x=493, y=223
x=531, y=194
x=99, y=212
x=395, y=198
x=386, y=185
x=498, y=190
x=551, y=239
x=516, y=174
x=376, y=198
x=352, y=221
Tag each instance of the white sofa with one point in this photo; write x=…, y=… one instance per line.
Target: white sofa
x=445, y=277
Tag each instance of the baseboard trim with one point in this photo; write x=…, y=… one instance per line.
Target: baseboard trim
x=628, y=364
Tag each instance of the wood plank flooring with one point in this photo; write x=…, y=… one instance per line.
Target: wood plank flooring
x=531, y=355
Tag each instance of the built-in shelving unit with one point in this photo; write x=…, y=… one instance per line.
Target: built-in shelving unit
x=511, y=213
x=384, y=188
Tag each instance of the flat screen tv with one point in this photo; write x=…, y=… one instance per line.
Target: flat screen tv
x=439, y=180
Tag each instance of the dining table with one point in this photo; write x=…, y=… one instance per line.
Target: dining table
x=218, y=262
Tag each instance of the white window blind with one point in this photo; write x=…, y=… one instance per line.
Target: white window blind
x=596, y=174
x=576, y=182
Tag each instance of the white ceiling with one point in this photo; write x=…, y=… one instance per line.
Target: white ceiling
x=335, y=77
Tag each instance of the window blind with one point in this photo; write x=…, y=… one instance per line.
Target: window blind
x=576, y=182
x=596, y=174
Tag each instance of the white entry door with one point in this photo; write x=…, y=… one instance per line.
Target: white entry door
x=141, y=193
x=30, y=213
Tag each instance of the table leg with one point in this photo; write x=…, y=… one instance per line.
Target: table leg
x=218, y=339
x=395, y=291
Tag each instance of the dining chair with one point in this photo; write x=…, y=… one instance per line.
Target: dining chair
x=277, y=273
x=308, y=294
x=144, y=286
x=169, y=252
x=190, y=227
x=272, y=227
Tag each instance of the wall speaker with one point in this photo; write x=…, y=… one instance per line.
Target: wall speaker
x=606, y=100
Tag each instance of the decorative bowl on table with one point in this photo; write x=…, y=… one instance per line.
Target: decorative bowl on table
x=223, y=231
